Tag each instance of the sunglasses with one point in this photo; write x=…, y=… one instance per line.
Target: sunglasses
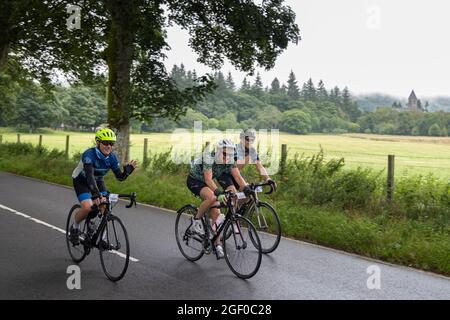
x=107, y=143
x=249, y=139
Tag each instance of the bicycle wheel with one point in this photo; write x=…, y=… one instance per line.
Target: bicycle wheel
x=190, y=244
x=115, y=254
x=266, y=221
x=243, y=249
x=77, y=252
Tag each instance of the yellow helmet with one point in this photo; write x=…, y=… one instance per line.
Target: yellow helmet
x=105, y=134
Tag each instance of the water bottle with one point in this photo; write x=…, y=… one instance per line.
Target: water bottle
x=94, y=223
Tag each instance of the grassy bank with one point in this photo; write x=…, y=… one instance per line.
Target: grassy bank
x=413, y=155
x=317, y=201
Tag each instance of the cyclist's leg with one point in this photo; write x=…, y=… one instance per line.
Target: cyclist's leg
x=82, y=213
x=84, y=197
x=209, y=200
x=200, y=189
x=102, y=188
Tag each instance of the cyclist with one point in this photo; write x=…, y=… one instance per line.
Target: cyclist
x=201, y=183
x=246, y=154
x=88, y=176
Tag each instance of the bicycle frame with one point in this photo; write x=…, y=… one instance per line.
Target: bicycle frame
x=255, y=201
x=106, y=214
x=229, y=216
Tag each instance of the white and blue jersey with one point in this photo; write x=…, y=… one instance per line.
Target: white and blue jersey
x=101, y=164
x=89, y=184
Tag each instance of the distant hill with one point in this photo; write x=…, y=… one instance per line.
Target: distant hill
x=370, y=102
x=438, y=103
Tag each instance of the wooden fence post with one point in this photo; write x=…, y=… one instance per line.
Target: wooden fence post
x=18, y=138
x=40, y=141
x=145, y=152
x=283, y=158
x=1, y=138
x=67, y=146
x=390, y=177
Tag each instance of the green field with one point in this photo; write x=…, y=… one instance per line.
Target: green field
x=413, y=155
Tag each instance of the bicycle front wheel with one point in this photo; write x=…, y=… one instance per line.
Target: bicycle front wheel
x=114, y=249
x=266, y=221
x=243, y=248
x=77, y=251
x=189, y=243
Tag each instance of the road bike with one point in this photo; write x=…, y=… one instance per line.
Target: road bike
x=263, y=216
x=104, y=231
x=242, y=249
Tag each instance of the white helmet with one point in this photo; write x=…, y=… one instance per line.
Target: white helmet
x=248, y=133
x=225, y=143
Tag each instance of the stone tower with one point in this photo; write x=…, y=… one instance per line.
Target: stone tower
x=412, y=102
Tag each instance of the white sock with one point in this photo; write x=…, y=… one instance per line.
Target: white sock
x=105, y=237
x=76, y=225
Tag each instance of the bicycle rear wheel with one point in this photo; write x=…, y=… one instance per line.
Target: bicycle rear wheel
x=189, y=243
x=77, y=251
x=266, y=221
x=115, y=251
x=243, y=248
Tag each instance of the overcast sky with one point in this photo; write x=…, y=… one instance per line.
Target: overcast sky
x=387, y=46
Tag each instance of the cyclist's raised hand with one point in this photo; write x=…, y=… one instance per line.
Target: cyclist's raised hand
x=133, y=163
x=129, y=167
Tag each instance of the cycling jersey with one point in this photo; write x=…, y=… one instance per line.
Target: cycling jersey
x=93, y=166
x=242, y=153
x=100, y=162
x=202, y=164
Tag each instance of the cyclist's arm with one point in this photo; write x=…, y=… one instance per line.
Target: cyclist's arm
x=92, y=185
x=238, y=177
x=123, y=175
x=262, y=171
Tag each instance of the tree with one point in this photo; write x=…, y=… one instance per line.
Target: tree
x=8, y=94
x=415, y=131
x=34, y=109
x=296, y=121
x=219, y=79
x=230, y=82
x=335, y=95
x=309, y=91
x=129, y=38
x=275, y=86
x=257, y=88
x=434, y=130
x=245, y=87
x=292, y=88
x=322, y=93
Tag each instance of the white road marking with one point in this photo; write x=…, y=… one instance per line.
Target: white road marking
x=120, y=254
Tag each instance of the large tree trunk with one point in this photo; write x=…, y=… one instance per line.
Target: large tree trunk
x=119, y=58
x=5, y=27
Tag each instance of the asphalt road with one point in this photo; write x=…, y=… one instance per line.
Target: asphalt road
x=34, y=260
